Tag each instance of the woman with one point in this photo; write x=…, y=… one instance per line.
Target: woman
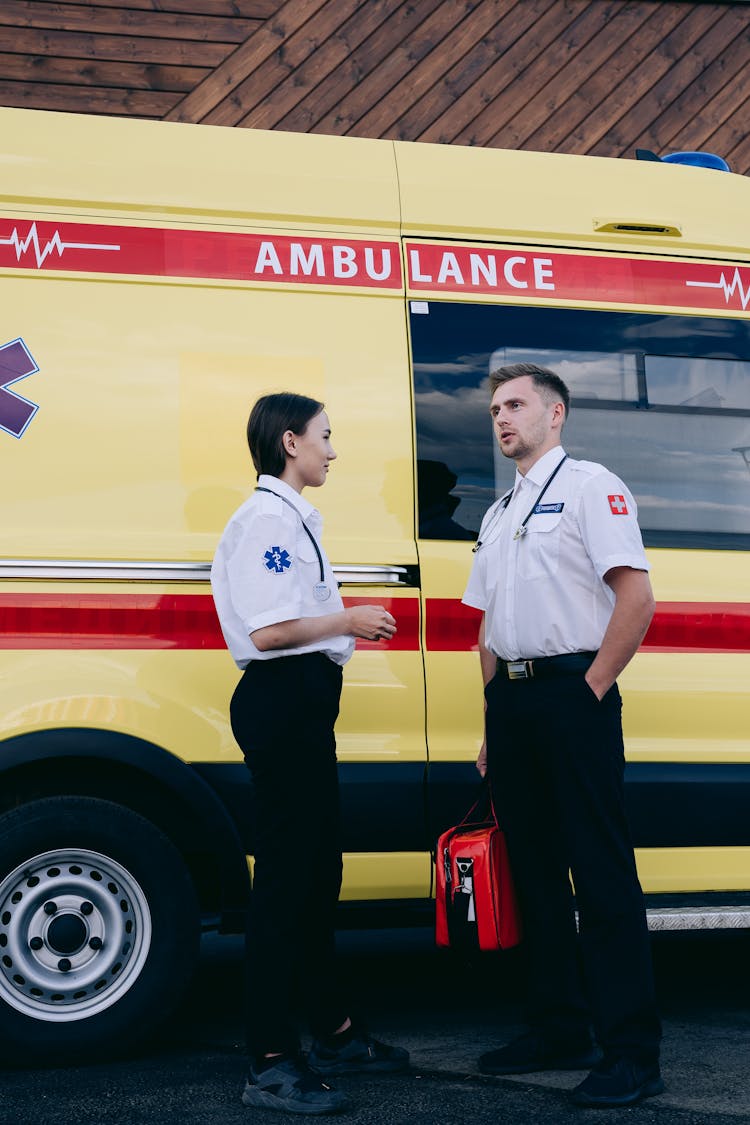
x=287, y=628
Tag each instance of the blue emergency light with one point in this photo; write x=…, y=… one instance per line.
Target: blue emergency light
x=695, y=159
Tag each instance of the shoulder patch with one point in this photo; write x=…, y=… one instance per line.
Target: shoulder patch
x=617, y=505
x=277, y=560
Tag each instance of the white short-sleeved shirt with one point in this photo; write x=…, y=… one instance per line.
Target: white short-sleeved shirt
x=266, y=570
x=543, y=592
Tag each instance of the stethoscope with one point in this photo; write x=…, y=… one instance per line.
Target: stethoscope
x=505, y=501
x=321, y=590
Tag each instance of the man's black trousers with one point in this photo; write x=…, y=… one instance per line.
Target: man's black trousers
x=283, y=713
x=556, y=764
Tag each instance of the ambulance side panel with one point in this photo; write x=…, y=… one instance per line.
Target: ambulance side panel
x=635, y=285
x=145, y=305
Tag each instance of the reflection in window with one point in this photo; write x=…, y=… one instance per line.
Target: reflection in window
x=681, y=468
x=712, y=384
x=437, y=504
x=663, y=401
x=600, y=375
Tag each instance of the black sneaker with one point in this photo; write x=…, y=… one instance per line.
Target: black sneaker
x=618, y=1081
x=290, y=1085
x=361, y=1054
x=532, y=1052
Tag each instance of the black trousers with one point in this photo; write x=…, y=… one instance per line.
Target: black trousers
x=283, y=713
x=556, y=765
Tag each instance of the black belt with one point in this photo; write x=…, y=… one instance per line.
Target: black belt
x=545, y=666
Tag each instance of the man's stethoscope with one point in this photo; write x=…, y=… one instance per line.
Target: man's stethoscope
x=321, y=590
x=521, y=530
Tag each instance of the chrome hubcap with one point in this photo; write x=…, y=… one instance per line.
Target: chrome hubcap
x=75, y=931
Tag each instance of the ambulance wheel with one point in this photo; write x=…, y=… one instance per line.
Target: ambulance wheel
x=99, y=930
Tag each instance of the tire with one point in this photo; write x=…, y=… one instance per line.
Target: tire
x=99, y=930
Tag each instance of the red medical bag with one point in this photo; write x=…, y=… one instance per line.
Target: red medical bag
x=476, y=905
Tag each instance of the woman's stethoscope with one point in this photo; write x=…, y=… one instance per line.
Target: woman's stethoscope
x=521, y=530
x=321, y=590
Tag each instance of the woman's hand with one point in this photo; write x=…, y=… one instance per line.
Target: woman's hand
x=370, y=622
x=482, y=759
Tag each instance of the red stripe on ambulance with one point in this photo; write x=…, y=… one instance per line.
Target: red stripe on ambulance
x=451, y=626
x=596, y=278
x=222, y=255
x=440, y=267
x=188, y=621
x=150, y=621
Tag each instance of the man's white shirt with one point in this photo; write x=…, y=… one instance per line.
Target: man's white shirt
x=265, y=571
x=543, y=591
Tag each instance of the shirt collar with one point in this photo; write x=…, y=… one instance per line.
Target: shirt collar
x=281, y=488
x=543, y=468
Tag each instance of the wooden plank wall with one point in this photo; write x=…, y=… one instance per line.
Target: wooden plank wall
x=588, y=76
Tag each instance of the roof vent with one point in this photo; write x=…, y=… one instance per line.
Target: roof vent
x=694, y=159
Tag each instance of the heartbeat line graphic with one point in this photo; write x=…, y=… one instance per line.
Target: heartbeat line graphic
x=42, y=252
x=729, y=287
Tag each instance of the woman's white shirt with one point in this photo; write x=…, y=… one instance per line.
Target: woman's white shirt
x=266, y=570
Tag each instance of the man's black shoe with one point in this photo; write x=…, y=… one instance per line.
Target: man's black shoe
x=532, y=1052
x=618, y=1081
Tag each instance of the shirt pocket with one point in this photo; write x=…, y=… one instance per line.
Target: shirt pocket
x=307, y=560
x=541, y=556
x=305, y=549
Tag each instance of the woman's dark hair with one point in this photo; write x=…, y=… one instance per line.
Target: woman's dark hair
x=269, y=420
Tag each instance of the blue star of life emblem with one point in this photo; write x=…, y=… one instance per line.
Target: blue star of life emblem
x=277, y=559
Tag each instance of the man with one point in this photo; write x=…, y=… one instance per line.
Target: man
x=561, y=577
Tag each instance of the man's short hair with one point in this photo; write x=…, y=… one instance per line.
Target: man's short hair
x=270, y=418
x=549, y=385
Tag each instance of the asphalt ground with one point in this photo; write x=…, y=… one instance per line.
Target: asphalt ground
x=446, y=1012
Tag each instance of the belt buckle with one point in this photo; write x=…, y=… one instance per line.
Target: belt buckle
x=520, y=669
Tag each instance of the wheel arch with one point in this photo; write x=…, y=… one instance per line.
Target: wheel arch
x=152, y=782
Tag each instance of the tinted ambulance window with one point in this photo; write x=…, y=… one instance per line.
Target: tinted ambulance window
x=718, y=384
x=664, y=401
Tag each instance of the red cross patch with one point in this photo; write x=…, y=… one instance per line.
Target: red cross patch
x=617, y=505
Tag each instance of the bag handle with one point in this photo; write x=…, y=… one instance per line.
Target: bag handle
x=484, y=797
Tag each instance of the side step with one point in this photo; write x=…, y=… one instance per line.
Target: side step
x=698, y=918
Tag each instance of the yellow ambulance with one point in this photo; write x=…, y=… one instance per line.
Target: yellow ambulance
x=154, y=280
